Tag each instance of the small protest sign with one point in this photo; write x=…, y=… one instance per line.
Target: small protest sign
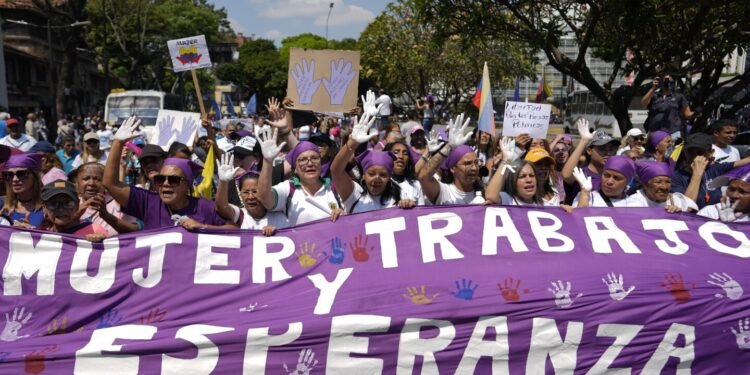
x=323, y=80
x=175, y=126
x=530, y=118
x=189, y=53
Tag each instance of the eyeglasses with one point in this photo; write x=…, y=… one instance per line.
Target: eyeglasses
x=22, y=174
x=159, y=179
x=58, y=205
x=310, y=160
x=92, y=141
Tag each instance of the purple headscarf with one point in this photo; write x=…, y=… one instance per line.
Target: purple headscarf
x=654, y=138
x=376, y=158
x=621, y=164
x=456, y=155
x=188, y=168
x=741, y=173
x=301, y=147
x=29, y=160
x=647, y=170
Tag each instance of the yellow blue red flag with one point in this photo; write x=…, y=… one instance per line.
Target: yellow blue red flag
x=486, y=112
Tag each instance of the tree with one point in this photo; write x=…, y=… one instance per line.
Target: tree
x=401, y=55
x=686, y=39
x=258, y=68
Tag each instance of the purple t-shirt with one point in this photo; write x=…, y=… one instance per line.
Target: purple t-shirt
x=147, y=206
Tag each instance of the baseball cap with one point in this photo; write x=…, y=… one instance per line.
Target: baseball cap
x=416, y=128
x=90, y=135
x=699, y=140
x=152, y=151
x=602, y=138
x=11, y=122
x=245, y=145
x=537, y=154
x=58, y=187
x=741, y=173
x=42, y=146
x=635, y=132
x=321, y=139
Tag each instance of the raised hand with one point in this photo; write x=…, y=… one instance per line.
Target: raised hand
x=583, y=180
x=226, y=169
x=726, y=210
x=459, y=131
x=731, y=288
x=128, y=130
x=508, y=147
x=361, y=132
x=562, y=294
x=583, y=130
x=342, y=75
x=368, y=104
x=268, y=146
x=304, y=80
x=616, y=288
x=434, y=143
x=14, y=324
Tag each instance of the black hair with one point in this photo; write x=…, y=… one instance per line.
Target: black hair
x=510, y=181
x=177, y=147
x=716, y=126
x=409, y=172
x=391, y=191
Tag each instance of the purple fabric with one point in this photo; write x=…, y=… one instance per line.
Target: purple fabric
x=657, y=137
x=301, y=147
x=456, y=155
x=148, y=207
x=188, y=168
x=144, y=308
x=414, y=156
x=647, y=170
x=29, y=160
x=376, y=158
x=741, y=173
x=621, y=164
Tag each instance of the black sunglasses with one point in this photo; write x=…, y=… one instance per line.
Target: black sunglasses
x=8, y=175
x=159, y=179
x=66, y=204
x=92, y=141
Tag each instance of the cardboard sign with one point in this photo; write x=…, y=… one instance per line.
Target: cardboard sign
x=530, y=118
x=323, y=80
x=189, y=53
x=175, y=126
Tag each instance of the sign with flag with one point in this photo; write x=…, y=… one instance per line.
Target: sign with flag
x=543, y=91
x=189, y=53
x=251, y=105
x=486, y=121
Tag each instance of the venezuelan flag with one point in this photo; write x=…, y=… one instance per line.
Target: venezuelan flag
x=486, y=112
x=543, y=91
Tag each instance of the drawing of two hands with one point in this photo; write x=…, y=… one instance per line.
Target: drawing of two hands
x=341, y=76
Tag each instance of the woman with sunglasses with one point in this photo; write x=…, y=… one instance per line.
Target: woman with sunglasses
x=633, y=142
x=173, y=202
x=598, y=147
x=403, y=171
x=60, y=207
x=91, y=151
x=618, y=172
x=252, y=215
x=23, y=185
x=376, y=190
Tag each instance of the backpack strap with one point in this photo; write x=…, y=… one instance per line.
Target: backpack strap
x=292, y=189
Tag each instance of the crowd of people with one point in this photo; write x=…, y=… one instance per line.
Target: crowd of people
x=271, y=175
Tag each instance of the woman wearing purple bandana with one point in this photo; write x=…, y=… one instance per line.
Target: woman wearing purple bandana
x=376, y=190
x=656, y=180
x=459, y=159
x=173, y=203
x=735, y=204
x=612, y=192
x=253, y=215
x=23, y=206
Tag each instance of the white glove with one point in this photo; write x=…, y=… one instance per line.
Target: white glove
x=268, y=146
x=583, y=180
x=368, y=104
x=226, y=168
x=583, y=129
x=434, y=143
x=128, y=130
x=361, y=132
x=508, y=147
x=458, y=134
x=726, y=211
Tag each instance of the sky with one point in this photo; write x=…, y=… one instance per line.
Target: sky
x=277, y=19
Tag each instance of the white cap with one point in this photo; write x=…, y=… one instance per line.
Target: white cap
x=635, y=132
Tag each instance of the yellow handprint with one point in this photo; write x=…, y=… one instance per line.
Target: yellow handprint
x=55, y=329
x=306, y=255
x=418, y=296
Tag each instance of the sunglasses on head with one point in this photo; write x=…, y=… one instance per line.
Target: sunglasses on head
x=8, y=175
x=173, y=180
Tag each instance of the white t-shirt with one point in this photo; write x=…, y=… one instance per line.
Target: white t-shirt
x=78, y=161
x=364, y=202
x=639, y=199
x=105, y=137
x=275, y=219
x=507, y=200
x=385, y=100
x=301, y=210
x=23, y=143
x=712, y=212
x=412, y=191
x=727, y=154
x=449, y=194
x=596, y=200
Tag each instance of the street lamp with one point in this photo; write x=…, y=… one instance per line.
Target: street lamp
x=330, y=8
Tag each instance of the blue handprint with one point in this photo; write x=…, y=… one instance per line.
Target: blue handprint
x=464, y=289
x=337, y=251
x=109, y=319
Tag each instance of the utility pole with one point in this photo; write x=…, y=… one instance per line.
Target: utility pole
x=330, y=8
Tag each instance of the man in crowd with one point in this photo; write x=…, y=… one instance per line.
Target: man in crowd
x=724, y=132
x=15, y=137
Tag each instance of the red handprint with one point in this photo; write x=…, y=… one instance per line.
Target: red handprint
x=34, y=363
x=676, y=287
x=154, y=316
x=510, y=291
x=359, y=248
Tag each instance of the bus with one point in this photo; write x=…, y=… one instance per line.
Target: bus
x=142, y=103
x=585, y=104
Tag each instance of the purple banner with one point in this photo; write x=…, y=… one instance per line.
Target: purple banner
x=448, y=290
